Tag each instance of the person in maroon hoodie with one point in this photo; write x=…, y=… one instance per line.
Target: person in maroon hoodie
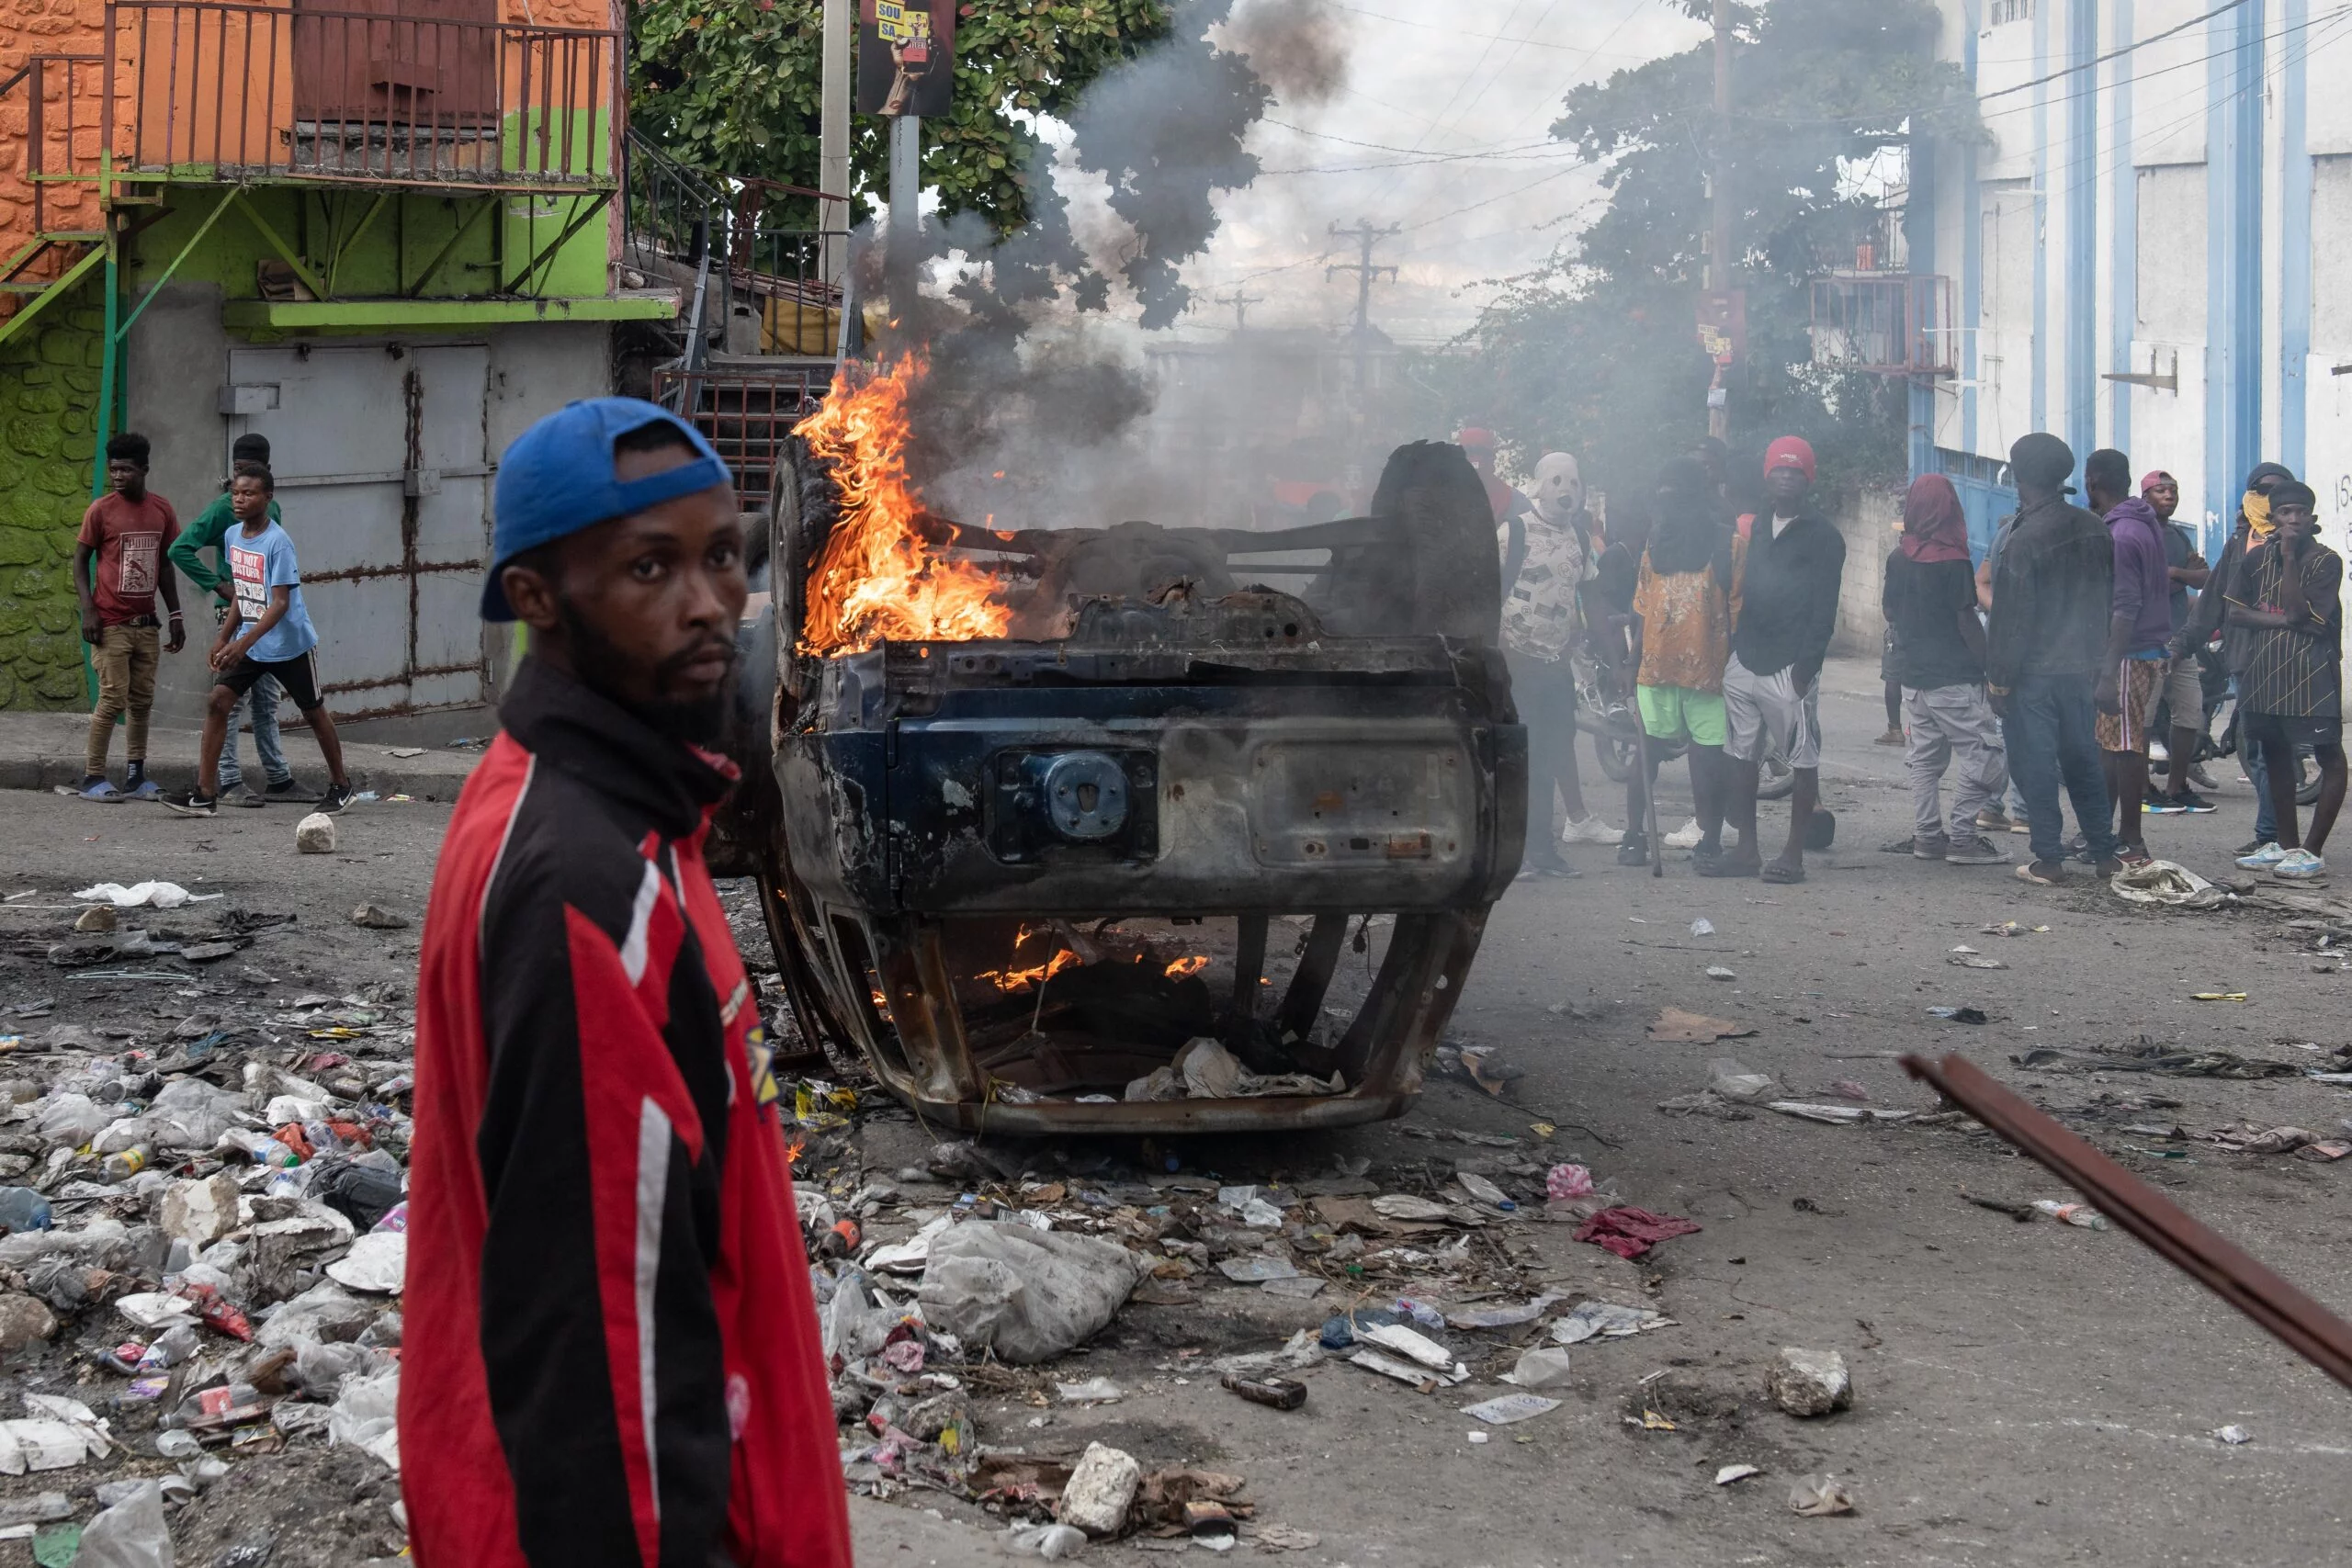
x=611, y=1352
x=2139, y=634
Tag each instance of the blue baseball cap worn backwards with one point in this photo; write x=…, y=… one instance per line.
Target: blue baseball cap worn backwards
x=557, y=480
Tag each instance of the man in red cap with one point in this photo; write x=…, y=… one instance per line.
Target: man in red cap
x=1792, y=565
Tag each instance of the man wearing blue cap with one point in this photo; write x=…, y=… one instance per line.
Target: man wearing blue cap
x=610, y=1342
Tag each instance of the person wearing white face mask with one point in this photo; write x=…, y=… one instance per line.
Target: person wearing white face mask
x=1544, y=627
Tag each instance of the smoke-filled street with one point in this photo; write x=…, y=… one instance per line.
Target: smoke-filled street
x=2019, y=1393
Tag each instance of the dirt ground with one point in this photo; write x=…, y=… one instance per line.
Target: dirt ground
x=2024, y=1394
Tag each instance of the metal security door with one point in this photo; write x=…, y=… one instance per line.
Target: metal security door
x=383, y=468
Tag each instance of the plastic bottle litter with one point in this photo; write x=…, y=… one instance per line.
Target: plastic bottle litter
x=22, y=1209
x=2081, y=1215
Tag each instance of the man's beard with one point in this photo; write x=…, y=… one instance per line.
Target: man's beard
x=697, y=721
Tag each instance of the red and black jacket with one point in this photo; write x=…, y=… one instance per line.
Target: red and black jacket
x=610, y=1350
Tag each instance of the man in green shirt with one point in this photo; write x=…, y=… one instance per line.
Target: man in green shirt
x=207, y=532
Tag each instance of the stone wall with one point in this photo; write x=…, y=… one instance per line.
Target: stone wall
x=1866, y=519
x=49, y=398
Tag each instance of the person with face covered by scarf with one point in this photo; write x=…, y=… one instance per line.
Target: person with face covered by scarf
x=1682, y=624
x=2139, y=627
x=2207, y=622
x=1544, y=630
x=2287, y=601
x=1930, y=599
x=2184, y=679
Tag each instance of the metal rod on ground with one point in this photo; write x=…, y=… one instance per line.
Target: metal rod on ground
x=2220, y=1265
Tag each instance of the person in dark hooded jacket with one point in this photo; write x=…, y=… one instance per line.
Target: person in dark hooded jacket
x=2139, y=628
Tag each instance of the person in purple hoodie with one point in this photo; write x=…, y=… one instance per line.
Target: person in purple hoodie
x=2139, y=632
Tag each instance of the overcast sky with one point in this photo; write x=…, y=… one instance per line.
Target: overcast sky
x=1466, y=91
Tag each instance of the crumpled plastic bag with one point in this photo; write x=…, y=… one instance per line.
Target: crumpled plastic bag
x=70, y=1120
x=188, y=1114
x=2166, y=882
x=148, y=895
x=131, y=1534
x=366, y=1414
x=1029, y=1294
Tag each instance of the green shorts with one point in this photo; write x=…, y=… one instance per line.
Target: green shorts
x=1678, y=713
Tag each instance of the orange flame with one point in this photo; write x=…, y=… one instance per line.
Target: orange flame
x=1185, y=967
x=878, y=578
x=1020, y=979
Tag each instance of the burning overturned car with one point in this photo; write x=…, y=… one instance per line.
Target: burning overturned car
x=1128, y=827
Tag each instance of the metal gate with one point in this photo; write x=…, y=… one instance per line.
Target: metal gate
x=382, y=459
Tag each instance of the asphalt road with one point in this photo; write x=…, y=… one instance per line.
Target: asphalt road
x=2025, y=1394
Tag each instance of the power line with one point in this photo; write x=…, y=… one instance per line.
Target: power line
x=2223, y=10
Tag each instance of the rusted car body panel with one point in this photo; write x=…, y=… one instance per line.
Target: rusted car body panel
x=988, y=858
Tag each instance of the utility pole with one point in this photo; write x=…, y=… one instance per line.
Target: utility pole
x=832, y=148
x=1719, y=279
x=1240, y=304
x=1367, y=236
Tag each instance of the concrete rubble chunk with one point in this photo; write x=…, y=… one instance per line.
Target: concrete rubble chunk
x=24, y=1320
x=1810, y=1383
x=1100, y=1490
x=314, y=835
x=376, y=917
x=201, y=1212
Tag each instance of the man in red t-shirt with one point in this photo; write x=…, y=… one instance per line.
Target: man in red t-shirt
x=125, y=534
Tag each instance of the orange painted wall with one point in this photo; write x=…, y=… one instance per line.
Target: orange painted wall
x=201, y=130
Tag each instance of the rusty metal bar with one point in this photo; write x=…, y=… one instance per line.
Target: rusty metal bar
x=2220, y=1265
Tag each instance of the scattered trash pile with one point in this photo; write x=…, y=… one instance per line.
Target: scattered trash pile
x=967, y=1278
x=204, y=1247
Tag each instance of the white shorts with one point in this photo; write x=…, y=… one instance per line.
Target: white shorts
x=1768, y=714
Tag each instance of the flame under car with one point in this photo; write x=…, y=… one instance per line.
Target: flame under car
x=1124, y=836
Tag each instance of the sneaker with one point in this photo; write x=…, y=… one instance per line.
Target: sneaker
x=1591, y=830
x=2264, y=858
x=101, y=791
x=1891, y=738
x=192, y=804
x=2192, y=803
x=1992, y=820
x=2249, y=847
x=286, y=792
x=2199, y=777
x=2162, y=805
x=1686, y=837
x=1936, y=848
x=2020, y=825
x=242, y=797
x=336, y=797
x=1975, y=852
x=1633, y=850
x=2299, y=865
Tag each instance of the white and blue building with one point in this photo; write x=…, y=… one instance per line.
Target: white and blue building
x=2147, y=250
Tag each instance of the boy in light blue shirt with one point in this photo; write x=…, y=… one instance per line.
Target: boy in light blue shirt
x=267, y=634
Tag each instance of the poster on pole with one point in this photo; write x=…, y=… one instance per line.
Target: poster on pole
x=906, y=57
x=1723, y=326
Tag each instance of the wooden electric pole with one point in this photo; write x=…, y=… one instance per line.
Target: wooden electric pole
x=1719, y=277
x=1367, y=236
x=1240, y=303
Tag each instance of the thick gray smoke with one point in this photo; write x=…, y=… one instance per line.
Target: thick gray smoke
x=1296, y=47
x=1043, y=409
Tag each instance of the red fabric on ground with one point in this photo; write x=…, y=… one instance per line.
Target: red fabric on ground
x=1630, y=1231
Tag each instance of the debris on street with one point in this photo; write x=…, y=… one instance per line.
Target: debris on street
x=1675, y=1024
x=1818, y=1497
x=1810, y=1383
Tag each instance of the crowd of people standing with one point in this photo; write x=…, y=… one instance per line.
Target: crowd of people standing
x=2039, y=679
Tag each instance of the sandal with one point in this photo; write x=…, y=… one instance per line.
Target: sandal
x=2027, y=873
x=1725, y=865
x=1780, y=873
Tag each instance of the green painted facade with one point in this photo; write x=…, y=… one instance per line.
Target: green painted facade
x=48, y=400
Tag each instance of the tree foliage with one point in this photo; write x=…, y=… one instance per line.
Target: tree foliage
x=1597, y=354
x=733, y=87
